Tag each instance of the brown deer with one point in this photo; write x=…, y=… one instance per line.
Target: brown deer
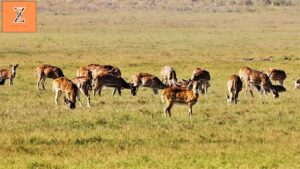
x=62, y=84
x=244, y=74
x=84, y=84
x=168, y=76
x=203, y=76
x=84, y=72
x=8, y=74
x=234, y=86
x=147, y=80
x=277, y=75
x=297, y=84
x=261, y=82
x=95, y=69
x=112, y=81
x=175, y=95
x=47, y=71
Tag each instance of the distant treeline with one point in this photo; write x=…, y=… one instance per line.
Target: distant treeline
x=178, y=5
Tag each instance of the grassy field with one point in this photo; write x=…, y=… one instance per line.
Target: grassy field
x=131, y=132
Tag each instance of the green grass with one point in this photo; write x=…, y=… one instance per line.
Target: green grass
x=131, y=132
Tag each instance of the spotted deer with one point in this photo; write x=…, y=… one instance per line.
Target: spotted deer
x=234, y=86
x=261, y=82
x=112, y=81
x=175, y=95
x=203, y=76
x=63, y=85
x=47, y=71
x=244, y=74
x=84, y=84
x=84, y=72
x=277, y=75
x=168, y=75
x=8, y=74
x=147, y=80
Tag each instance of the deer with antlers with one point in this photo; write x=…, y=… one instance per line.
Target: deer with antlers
x=8, y=74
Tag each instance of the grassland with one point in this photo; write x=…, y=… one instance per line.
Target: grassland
x=131, y=132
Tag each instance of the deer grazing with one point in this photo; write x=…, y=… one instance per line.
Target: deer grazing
x=203, y=76
x=176, y=95
x=168, y=76
x=8, y=74
x=262, y=83
x=112, y=81
x=47, y=71
x=147, y=80
x=84, y=84
x=92, y=70
x=234, y=86
x=277, y=75
x=62, y=84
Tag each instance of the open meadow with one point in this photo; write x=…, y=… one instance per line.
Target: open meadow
x=131, y=131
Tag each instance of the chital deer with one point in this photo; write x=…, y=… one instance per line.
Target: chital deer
x=84, y=72
x=261, y=82
x=234, y=86
x=62, y=84
x=175, y=95
x=244, y=74
x=203, y=76
x=47, y=71
x=168, y=76
x=112, y=81
x=8, y=74
x=277, y=75
x=84, y=85
x=147, y=80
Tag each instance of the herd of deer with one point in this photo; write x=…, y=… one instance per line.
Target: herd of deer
x=94, y=77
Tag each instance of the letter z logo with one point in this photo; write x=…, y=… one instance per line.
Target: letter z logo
x=19, y=18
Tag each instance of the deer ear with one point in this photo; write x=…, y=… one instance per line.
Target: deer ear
x=17, y=65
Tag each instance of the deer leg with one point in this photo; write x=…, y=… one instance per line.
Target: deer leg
x=119, y=92
x=155, y=91
x=38, y=83
x=114, y=92
x=190, y=110
x=251, y=91
x=78, y=98
x=43, y=83
x=57, y=95
x=10, y=82
x=168, y=109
